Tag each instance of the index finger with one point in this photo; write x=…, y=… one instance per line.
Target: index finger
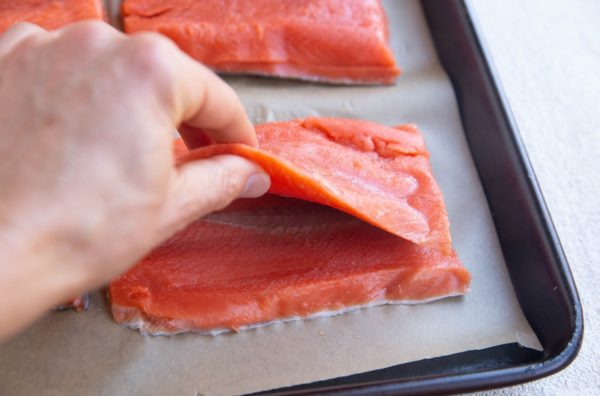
x=205, y=102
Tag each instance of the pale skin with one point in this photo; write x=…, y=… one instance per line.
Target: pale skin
x=87, y=178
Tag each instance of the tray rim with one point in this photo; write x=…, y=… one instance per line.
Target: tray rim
x=572, y=346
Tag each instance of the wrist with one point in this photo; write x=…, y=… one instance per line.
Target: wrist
x=36, y=273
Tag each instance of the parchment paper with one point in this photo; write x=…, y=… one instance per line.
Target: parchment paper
x=72, y=353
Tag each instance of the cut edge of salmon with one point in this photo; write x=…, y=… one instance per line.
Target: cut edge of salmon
x=134, y=319
x=318, y=73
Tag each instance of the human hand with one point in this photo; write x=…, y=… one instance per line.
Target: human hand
x=87, y=181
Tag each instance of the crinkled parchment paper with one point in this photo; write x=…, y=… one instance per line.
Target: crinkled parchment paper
x=72, y=353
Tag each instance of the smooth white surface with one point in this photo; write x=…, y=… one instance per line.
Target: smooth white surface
x=547, y=54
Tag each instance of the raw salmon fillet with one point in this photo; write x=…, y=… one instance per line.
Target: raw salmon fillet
x=341, y=41
x=276, y=258
x=376, y=173
x=49, y=14
x=279, y=258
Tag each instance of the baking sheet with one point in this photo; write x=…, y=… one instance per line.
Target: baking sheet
x=88, y=354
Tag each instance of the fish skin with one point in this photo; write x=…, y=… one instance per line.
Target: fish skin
x=338, y=41
x=381, y=175
x=49, y=14
x=276, y=258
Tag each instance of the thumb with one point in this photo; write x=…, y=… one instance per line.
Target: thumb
x=206, y=185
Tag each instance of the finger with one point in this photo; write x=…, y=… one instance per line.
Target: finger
x=203, y=100
x=203, y=186
x=90, y=30
x=208, y=103
x=194, y=137
x=16, y=34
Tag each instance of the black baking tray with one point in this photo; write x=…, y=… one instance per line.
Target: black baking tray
x=538, y=269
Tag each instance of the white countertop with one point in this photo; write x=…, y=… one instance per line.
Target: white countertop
x=547, y=54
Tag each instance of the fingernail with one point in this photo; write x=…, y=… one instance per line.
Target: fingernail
x=256, y=186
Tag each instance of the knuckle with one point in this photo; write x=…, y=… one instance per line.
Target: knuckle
x=150, y=60
x=89, y=34
x=151, y=52
x=23, y=36
x=231, y=186
x=227, y=186
x=21, y=26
